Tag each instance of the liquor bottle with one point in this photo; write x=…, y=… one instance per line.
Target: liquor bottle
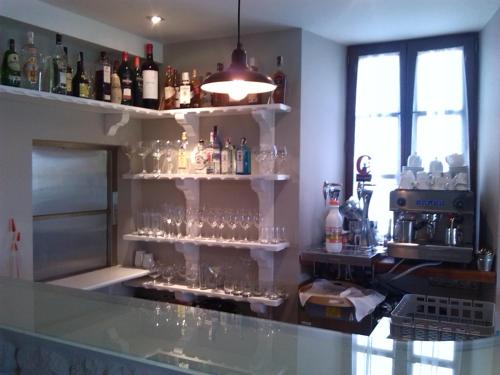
x=30, y=63
x=69, y=74
x=209, y=155
x=103, y=79
x=182, y=154
x=333, y=228
x=149, y=80
x=177, y=87
x=57, y=68
x=137, y=84
x=80, y=82
x=206, y=97
x=116, y=87
x=199, y=158
x=227, y=158
x=185, y=91
x=126, y=75
x=169, y=90
x=243, y=158
x=279, y=78
x=11, y=68
x=254, y=98
x=216, y=152
x=196, y=90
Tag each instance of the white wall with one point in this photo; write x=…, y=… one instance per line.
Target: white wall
x=489, y=136
x=321, y=131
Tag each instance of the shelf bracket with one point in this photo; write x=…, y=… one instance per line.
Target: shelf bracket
x=191, y=189
x=265, y=263
x=265, y=193
x=265, y=118
x=114, y=121
x=190, y=122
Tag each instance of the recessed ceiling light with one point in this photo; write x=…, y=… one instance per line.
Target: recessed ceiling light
x=155, y=19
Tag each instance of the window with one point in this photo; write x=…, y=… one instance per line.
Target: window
x=409, y=96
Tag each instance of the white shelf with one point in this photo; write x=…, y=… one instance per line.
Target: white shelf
x=216, y=177
x=176, y=288
x=33, y=96
x=209, y=242
x=227, y=111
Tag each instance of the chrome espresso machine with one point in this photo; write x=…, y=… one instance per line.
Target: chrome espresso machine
x=435, y=225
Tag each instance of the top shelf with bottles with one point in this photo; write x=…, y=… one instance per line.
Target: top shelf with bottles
x=117, y=115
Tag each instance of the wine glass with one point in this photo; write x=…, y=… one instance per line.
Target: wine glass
x=245, y=221
x=179, y=219
x=129, y=151
x=158, y=148
x=234, y=219
x=202, y=219
x=155, y=271
x=223, y=219
x=143, y=150
x=266, y=157
x=167, y=219
x=213, y=221
x=169, y=157
x=168, y=274
x=255, y=217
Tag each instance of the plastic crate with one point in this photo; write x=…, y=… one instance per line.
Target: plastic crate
x=420, y=317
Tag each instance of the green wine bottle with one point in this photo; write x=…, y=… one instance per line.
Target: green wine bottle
x=11, y=68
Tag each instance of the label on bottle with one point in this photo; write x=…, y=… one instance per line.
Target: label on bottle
x=30, y=70
x=333, y=235
x=106, y=74
x=209, y=160
x=13, y=62
x=169, y=93
x=127, y=93
x=149, y=84
x=224, y=162
x=182, y=160
x=185, y=95
x=199, y=162
x=216, y=161
x=83, y=90
x=239, y=161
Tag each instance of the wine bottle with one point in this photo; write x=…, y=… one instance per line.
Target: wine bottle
x=185, y=91
x=30, y=62
x=279, y=78
x=103, y=79
x=57, y=66
x=177, y=87
x=169, y=91
x=196, y=90
x=150, y=80
x=11, y=68
x=116, y=88
x=137, y=85
x=80, y=82
x=69, y=73
x=126, y=76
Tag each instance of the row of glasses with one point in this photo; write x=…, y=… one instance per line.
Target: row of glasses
x=271, y=159
x=157, y=149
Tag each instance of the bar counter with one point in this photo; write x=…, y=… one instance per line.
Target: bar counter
x=47, y=329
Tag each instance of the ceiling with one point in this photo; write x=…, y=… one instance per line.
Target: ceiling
x=345, y=21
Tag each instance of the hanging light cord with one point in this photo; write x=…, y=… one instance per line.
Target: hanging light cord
x=239, y=8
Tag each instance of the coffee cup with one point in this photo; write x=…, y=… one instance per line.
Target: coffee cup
x=435, y=167
x=455, y=160
x=414, y=161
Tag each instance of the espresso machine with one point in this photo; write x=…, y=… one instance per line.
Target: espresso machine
x=435, y=225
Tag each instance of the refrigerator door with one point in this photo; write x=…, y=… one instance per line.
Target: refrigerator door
x=69, y=180
x=71, y=226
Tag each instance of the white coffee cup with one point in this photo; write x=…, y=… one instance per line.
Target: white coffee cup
x=435, y=167
x=455, y=160
x=414, y=161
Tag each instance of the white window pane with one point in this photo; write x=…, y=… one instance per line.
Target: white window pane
x=362, y=340
x=442, y=350
x=377, y=87
x=439, y=80
x=439, y=136
x=425, y=369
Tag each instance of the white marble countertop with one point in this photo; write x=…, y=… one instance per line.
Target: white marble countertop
x=100, y=278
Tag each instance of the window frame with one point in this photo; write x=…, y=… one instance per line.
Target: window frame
x=408, y=50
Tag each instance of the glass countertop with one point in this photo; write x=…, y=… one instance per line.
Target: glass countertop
x=194, y=340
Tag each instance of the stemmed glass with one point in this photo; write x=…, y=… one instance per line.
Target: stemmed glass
x=168, y=274
x=190, y=221
x=158, y=148
x=169, y=156
x=255, y=217
x=245, y=222
x=167, y=219
x=202, y=219
x=143, y=150
x=179, y=219
x=223, y=219
x=266, y=157
x=233, y=224
x=129, y=151
x=155, y=271
x=213, y=221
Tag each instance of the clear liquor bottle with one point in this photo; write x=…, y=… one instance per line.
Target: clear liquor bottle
x=209, y=155
x=30, y=64
x=227, y=158
x=69, y=74
x=182, y=155
x=58, y=64
x=199, y=158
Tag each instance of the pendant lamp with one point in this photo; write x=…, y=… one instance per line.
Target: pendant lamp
x=238, y=80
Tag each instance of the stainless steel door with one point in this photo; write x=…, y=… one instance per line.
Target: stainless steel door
x=70, y=210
